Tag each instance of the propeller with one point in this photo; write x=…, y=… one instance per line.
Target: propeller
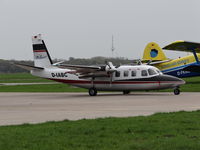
x=110, y=69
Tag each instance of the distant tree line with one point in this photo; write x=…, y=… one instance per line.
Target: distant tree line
x=7, y=66
x=97, y=60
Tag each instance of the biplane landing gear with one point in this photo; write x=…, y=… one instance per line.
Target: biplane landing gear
x=126, y=92
x=92, y=92
x=176, y=91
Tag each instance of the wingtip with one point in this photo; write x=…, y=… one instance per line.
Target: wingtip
x=175, y=42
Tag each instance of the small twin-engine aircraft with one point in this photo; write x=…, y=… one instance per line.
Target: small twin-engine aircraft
x=107, y=77
x=188, y=66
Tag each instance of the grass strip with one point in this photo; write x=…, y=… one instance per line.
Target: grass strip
x=161, y=131
x=20, y=78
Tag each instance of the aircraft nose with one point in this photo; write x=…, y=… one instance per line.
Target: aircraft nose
x=176, y=81
x=179, y=81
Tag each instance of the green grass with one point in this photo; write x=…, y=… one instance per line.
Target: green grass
x=162, y=131
x=20, y=78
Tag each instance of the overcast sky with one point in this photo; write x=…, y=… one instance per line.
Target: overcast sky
x=83, y=28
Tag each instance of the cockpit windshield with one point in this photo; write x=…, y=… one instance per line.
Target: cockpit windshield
x=158, y=71
x=152, y=71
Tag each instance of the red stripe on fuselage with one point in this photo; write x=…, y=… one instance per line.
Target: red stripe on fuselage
x=39, y=51
x=108, y=82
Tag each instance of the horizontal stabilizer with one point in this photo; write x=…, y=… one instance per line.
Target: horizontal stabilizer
x=183, y=46
x=192, y=68
x=28, y=67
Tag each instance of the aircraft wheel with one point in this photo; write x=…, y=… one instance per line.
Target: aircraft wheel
x=92, y=92
x=176, y=91
x=126, y=92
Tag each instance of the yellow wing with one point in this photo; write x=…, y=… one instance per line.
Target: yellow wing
x=184, y=46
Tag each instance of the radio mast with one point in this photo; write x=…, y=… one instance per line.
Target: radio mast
x=112, y=48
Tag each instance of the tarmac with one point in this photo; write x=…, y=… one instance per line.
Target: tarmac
x=20, y=108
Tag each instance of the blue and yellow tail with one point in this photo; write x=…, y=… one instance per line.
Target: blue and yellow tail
x=153, y=52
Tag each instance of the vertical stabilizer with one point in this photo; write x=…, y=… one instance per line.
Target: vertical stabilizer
x=153, y=52
x=41, y=55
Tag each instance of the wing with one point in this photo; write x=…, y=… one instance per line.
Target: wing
x=158, y=62
x=80, y=68
x=183, y=46
x=86, y=71
x=151, y=62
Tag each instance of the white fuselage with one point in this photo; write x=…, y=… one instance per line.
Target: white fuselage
x=140, y=77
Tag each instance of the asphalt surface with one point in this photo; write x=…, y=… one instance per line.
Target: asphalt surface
x=19, y=108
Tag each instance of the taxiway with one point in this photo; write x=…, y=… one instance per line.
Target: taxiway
x=19, y=108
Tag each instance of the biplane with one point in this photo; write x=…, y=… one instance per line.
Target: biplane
x=187, y=66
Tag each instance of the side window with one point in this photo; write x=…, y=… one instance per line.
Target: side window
x=133, y=73
x=151, y=72
x=126, y=73
x=117, y=74
x=144, y=73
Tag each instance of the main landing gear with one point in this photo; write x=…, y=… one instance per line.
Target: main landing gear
x=126, y=92
x=176, y=91
x=92, y=92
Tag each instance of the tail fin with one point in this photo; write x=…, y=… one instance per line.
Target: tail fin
x=41, y=54
x=153, y=52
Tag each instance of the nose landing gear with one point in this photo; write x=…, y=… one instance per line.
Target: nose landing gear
x=176, y=91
